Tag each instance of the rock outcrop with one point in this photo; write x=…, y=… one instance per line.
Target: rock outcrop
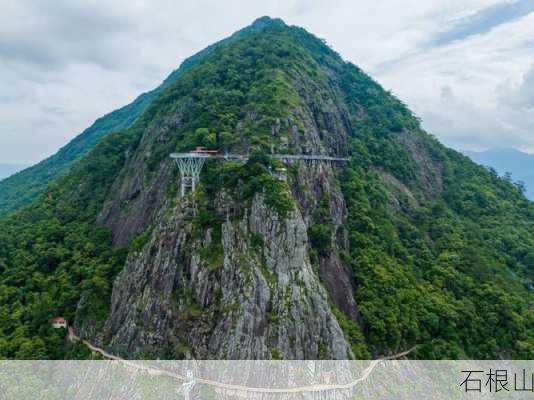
x=259, y=299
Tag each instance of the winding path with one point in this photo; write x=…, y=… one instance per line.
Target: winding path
x=310, y=388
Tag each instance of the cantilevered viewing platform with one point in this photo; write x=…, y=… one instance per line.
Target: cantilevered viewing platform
x=190, y=164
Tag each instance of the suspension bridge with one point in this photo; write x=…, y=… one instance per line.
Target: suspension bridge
x=190, y=164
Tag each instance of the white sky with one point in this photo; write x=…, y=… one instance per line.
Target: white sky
x=466, y=67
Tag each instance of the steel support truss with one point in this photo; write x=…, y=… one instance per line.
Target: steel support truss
x=189, y=165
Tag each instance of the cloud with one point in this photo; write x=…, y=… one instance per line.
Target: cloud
x=463, y=124
x=65, y=63
x=54, y=36
x=474, y=93
x=520, y=96
x=482, y=21
x=517, y=105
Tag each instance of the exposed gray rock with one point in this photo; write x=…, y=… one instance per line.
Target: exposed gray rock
x=339, y=282
x=430, y=171
x=263, y=301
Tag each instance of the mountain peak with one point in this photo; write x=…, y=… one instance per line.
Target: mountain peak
x=265, y=21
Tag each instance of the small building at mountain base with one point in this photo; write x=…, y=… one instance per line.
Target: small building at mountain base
x=58, y=322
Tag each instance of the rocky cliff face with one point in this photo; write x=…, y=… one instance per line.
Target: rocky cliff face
x=260, y=298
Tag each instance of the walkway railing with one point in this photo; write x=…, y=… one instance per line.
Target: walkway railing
x=190, y=164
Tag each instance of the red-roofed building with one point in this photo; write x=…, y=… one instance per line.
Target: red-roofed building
x=58, y=322
x=203, y=150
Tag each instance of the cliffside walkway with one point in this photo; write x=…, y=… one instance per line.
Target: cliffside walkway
x=190, y=164
x=228, y=386
x=242, y=157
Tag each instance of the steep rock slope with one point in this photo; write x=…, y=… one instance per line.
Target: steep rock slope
x=260, y=300
x=408, y=243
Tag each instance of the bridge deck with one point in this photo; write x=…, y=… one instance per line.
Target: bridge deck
x=239, y=157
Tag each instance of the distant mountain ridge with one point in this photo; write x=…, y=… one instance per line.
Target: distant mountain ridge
x=22, y=188
x=9, y=169
x=503, y=160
